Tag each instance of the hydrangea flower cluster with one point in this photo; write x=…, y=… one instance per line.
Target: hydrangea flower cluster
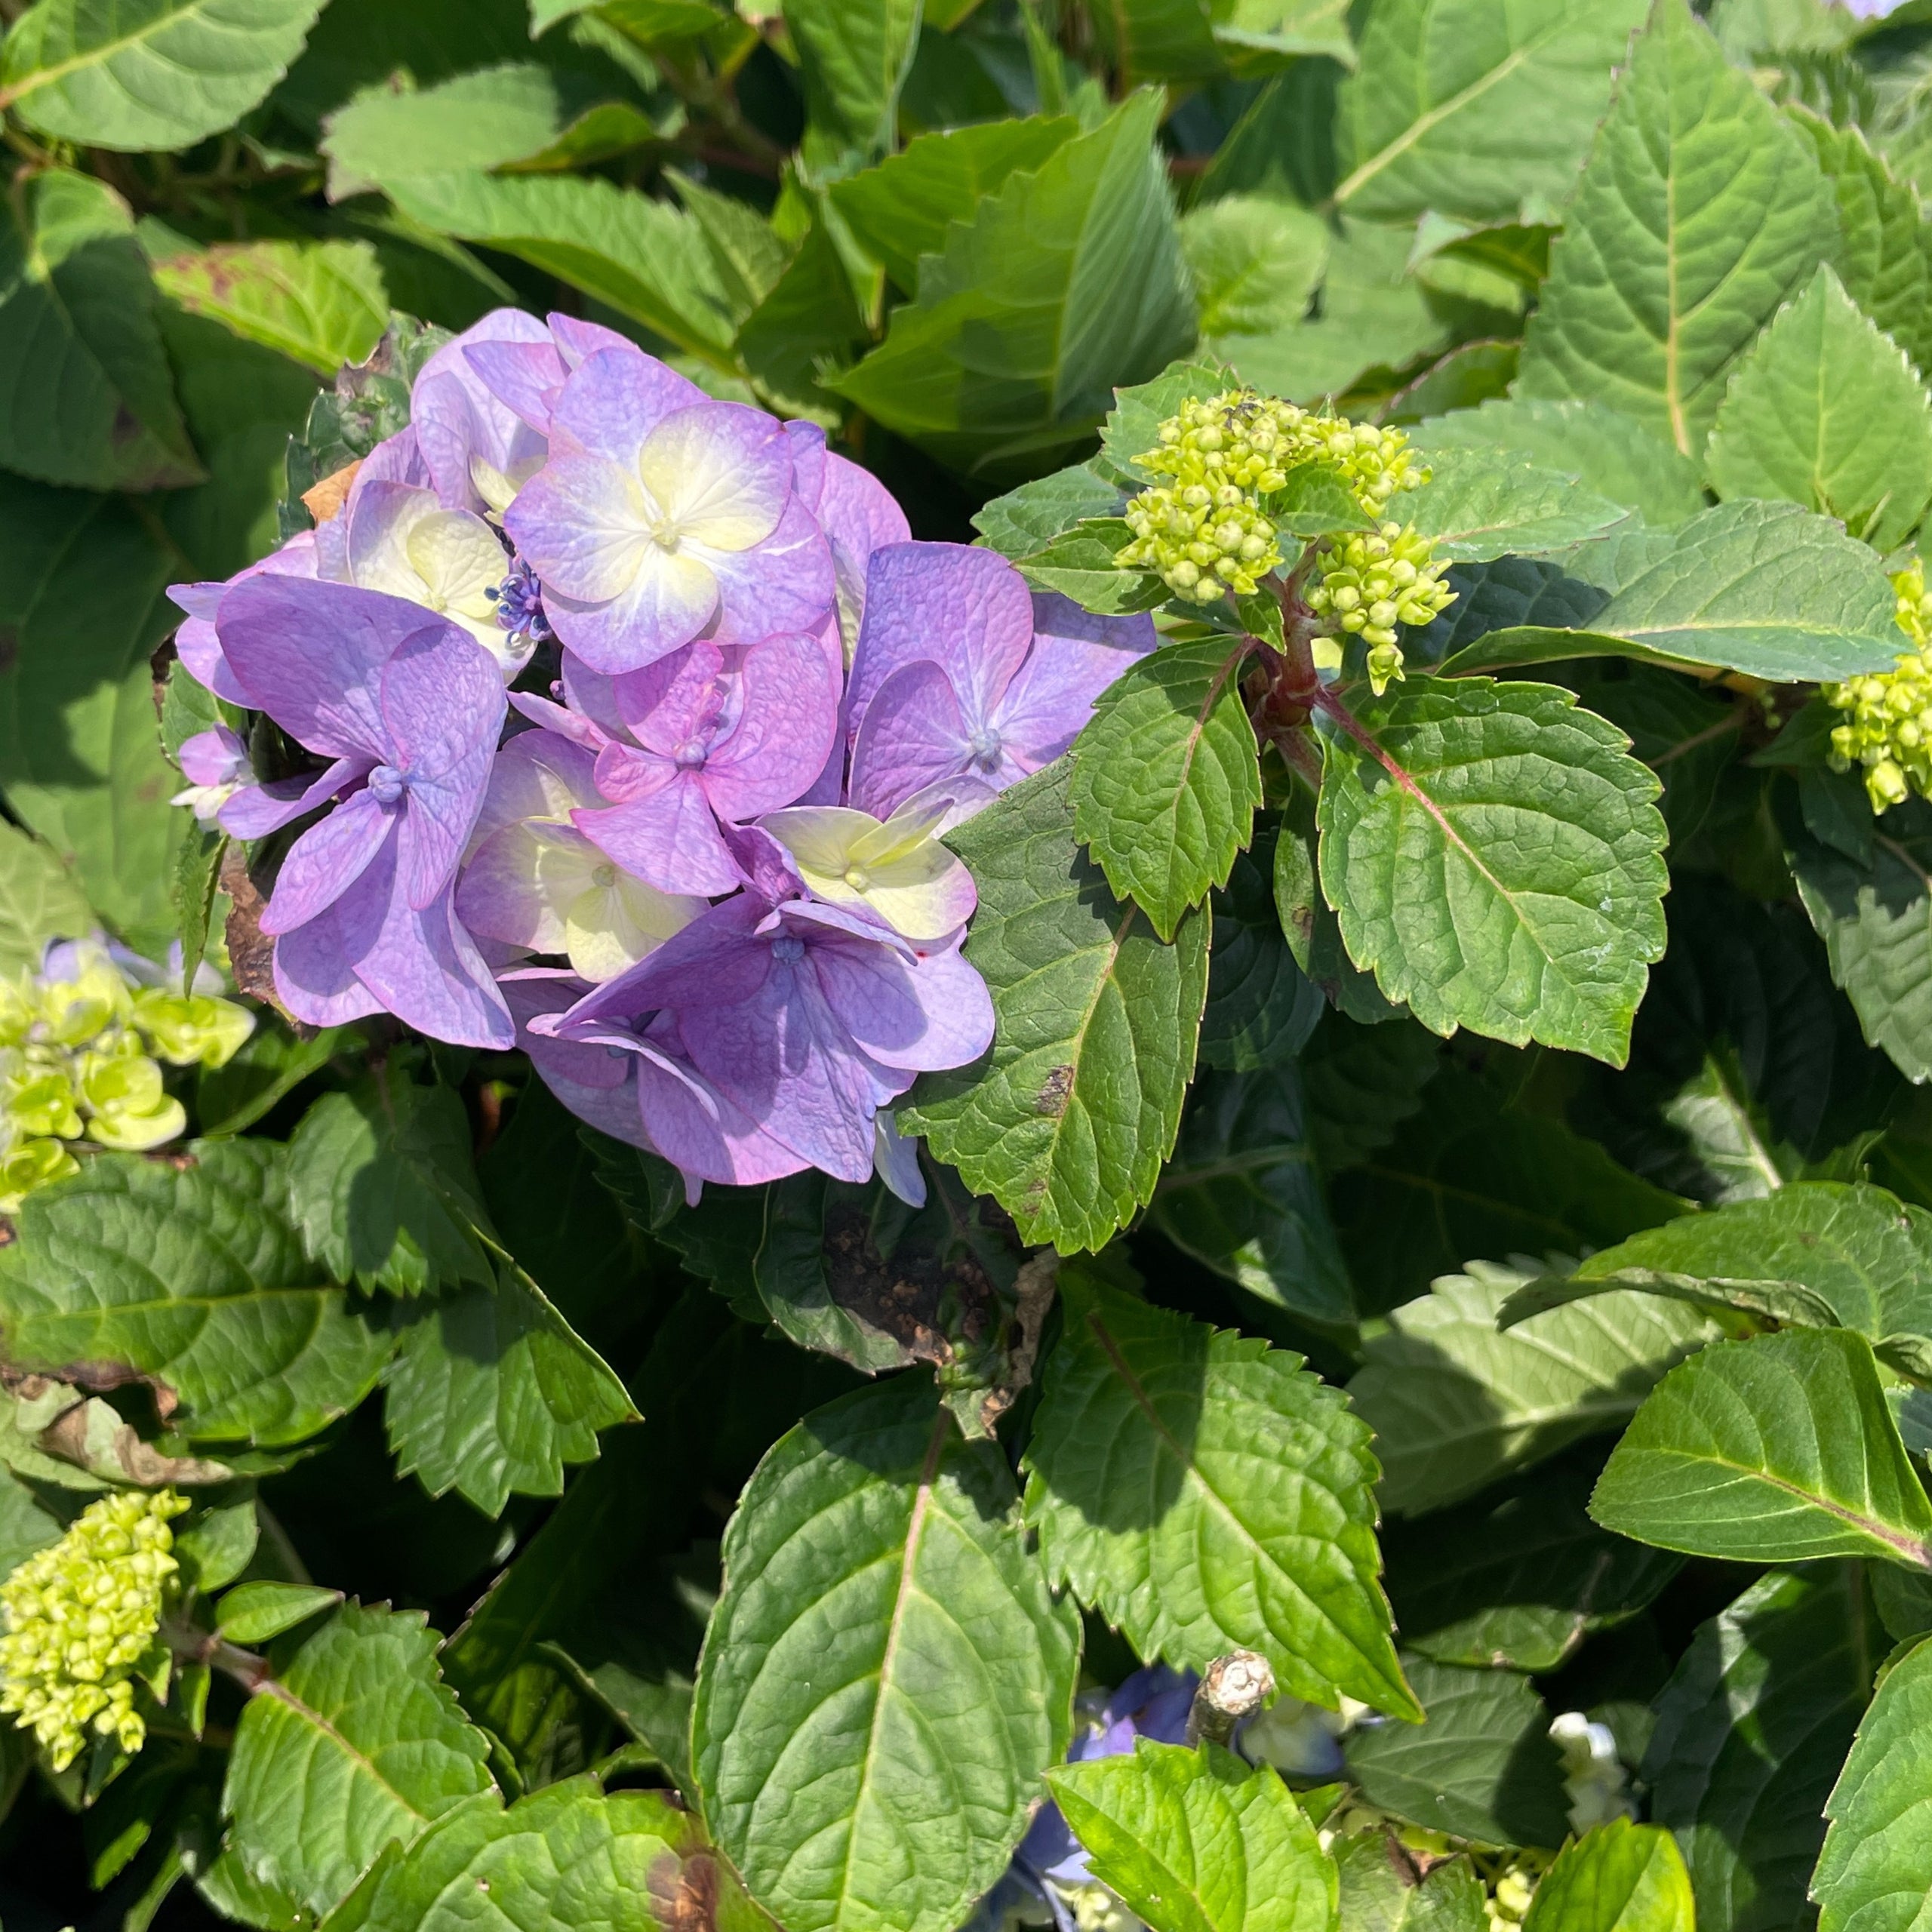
x=689, y=859
x=79, y=1044
x=1887, y=732
x=81, y=1616
x=1210, y=530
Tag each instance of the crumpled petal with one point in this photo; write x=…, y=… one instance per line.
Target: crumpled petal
x=255, y=810
x=669, y=838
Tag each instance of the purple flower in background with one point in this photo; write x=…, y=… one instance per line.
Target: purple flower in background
x=662, y=516
x=409, y=709
x=960, y=672
x=806, y=1019
x=215, y=764
x=706, y=735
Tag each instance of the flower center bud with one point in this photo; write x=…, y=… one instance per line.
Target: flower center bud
x=788, y=950
x=604, y=877
x=666, y=534
x=857, y=878
x=387, y=784
x=984, y=746
x=691, y=754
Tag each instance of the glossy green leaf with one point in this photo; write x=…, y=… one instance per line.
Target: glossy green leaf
x=88, y=397
x=1255, y=261
x=901, y=210
x=1206, y=1493
x=1751, y=1730
x=384, y=1188
x=321, y=302
x=853, y=57
x=253, y=1612
x=1827, y=412
x=194, y=1276
x=1026, y=521
x=1067, y=1120
x=1024, y=325
x=1166, y=778
x=562, y=1859
x=356, y=1745
x=1480, y=1766
x=1477, y=111
x=1620, y=1877
x=1455, y=1403
x=1198, y=1842
x=147, y=74
x=1494, y=855
x=883, y=1635
x=1479, y=505
x=1876, y=1868
x=1700, y=211
x=1773, y=1450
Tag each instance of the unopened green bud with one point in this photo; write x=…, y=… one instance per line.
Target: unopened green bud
x=1885, y=734
x=190, y=1030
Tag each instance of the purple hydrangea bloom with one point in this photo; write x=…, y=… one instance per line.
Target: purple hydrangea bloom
x=215, y=764
x=704, y=735
x=198, y=644
x=662, y=516
x=962, y=672
x=478, y=450
x=804, y=1019
x=409, y=708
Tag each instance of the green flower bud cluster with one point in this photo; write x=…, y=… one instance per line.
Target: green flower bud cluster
x=79, y=1054
x=1370, y=583
x=1887, y=732
x=81, y=1623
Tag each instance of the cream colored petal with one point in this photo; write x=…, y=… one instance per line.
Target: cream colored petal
x=701, y=483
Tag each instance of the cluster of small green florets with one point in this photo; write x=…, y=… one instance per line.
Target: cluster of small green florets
x=1370, y=583
x=79, y=1053
x=1888, y=731
x=81, y=1623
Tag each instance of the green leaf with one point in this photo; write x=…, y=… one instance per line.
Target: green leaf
x=1157, y=40
x=1766, y=589
x=1876, y=1867
x=356, y=1744
x=1261, y=1008
x=1476, y=111
x=808, y=321
x=1241, y=1195
x=1363, y=1082
x=491, y=1392
x=253, y=1612
x=1494, y=856
x=1167, y=778
x=1610, y=454
x=384, y=1189
x=1133, y=426
x=26, y=1523
x=1025, y=323
x=883, y=1636
x=1885, y=254
x=1079, y=564
x=1772, y=1451
x=853, y=56
x=1067, y=1121
x=1700, y=209
x=147, y=74
x=1454, y=1404
x=1620, y=1877
x=901, y=209
x=1266, y=36
x=1751, y=1730
x=1480, y=1767
x=1024, y=521
x=1826, y=412
x=1863, y=1253
x=1197, y=1841
x=647, y=259
x=1206, y=1493
x=271, y=1064
x=1518, y=1582
x=1255, y=261
x=90, y=401
x=1875, y=919
x=564, y=1858
x=195, y=1276
x=1478, y=505
x=1308, y=924
x=39, y=901
x=322, y=303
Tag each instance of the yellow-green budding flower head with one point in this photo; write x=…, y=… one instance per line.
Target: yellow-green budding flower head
x=1370, y=583
x=81, y=1623
x=1888, y=731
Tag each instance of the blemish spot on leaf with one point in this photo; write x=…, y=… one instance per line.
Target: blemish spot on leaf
x=1054, y=1092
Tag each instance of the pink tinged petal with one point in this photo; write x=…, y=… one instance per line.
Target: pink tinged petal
x=858, y=515
x=397, y=459
x=536, y=775
x=438, y=817
x=1075, y=656
x=326, y=861
x=456, y=414
x=524, y=378
x=719, y=472
x=719, y=1143
x=786, y=726
x=624, y=774
x=259, y=809
x=582, y=524
x=967, y=609
x=785, y=584
x=671, y=597
x=500, y=893
x=310, y=655
x=614, y=399
x=768, y=871
x=678, y=699
x=669, y=840
x=915, y=735
x=808, y=460
x=554, y=719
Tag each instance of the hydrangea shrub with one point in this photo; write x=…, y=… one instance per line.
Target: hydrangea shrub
x=965, y=965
